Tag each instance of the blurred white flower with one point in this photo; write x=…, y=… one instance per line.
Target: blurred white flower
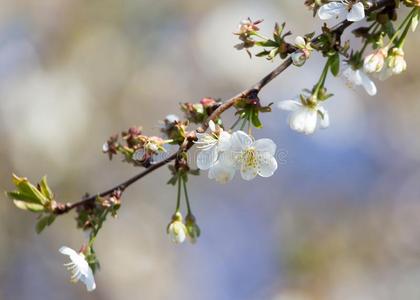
x=176, y=229
x=304, y=117
x=251, y=157
x=79, y=268
x=375, y=61
x=353, y=12
x=358, y=77
x=223, y=170
x=210, y=145
x=395, y=64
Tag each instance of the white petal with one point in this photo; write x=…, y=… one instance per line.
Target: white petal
x=385, y=73
x=300, y=42
x=368, y=84
x=240, y=140
x=221, y=173
x=352, y=76
x=267, y=166
x=331, y=10
x=89, y=281
x=310, y=121
x=227, y=159
x=248, y=173
x=67, y=251
x=289, y=105
x=212, y=126
x=325, y=118
x=297, y=120
x=224, y=141
x=357, y=13
x=207, y=158
x=265, y=146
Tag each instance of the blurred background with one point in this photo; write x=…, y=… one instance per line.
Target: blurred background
x=339, y=220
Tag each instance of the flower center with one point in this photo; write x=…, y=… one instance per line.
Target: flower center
x=249, y=157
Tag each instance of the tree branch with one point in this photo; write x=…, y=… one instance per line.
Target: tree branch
x=191, y=136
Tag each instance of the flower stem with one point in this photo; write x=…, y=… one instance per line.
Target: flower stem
x=178, y=197
x=408, y=20
x=235, y=124
x=375, y=27
x=403, y=23
x=187, y=200
x=260, y=36
x=322, y=79
x=243, y=124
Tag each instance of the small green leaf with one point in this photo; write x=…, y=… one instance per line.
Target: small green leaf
x=24, y=186
x=44, y=222
x=173, y=180
x=335, y=64
x=22, y=197
x=29, y=206
x=45, y=189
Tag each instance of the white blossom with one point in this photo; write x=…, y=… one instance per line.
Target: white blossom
x=395, y=64
x=352, y=11
x=304, y=117
x=176, y=229
x=251, y=157
x=210, y=145
x=374, y=62
x=79, y=268
x=358, y=77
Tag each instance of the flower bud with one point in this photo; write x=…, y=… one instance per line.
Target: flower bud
x=397, y=62
x=302, y=53
x=298, y=58
x=176, y=229
x=375, y=62
x=192, y=228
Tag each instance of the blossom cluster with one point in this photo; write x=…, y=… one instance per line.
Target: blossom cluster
x=223, y=153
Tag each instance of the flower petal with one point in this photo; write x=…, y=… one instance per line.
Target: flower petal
x=89, y=281
x=240, y=140
x=300, y=42
x=331, y=10
x=67, y=251
x=221, y=173
x=352, y=76
x=267, y=166
x=224, y=141
x=265, y=146
x=297, y=120
x=289, y=105
x=368, y=84
x=357, y=12
x=248, y=173
x=207, y=158
x=310, y=121
x=212, y=126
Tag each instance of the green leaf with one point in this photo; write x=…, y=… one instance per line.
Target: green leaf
x=335, y=64
x=45, y=189
x=24, y=186
x=44, y=222
x=29, y=206
x=22, y=197
x=173, y=180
